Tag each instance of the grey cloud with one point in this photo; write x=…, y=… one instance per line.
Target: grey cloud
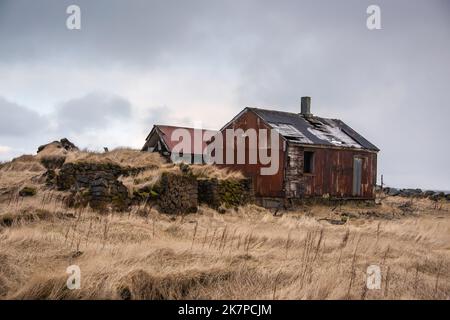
x=155, y=115
x=95, y=111
x=19, y=121
x=162, y=115
x=82, y=120
x=131, y=33
x=391, y=85
x=21, y=129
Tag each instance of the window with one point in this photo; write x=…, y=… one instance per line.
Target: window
x=308, y=162
x=197, y=159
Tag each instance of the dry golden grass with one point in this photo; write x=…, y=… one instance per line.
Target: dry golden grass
x=152, y=175
x=246, y=253
x=243, y=254
x=16, y=173
x=210, y=171
x=120, y=156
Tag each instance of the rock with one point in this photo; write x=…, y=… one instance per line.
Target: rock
x=411, y=192
x=27, y=192
x=63, y=143
x=66, y=144
x=428, y=193
x=437, y=195
x=50, y=177
x=393, y=192
x=405, y=192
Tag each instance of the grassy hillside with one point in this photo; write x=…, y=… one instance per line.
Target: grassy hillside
x=313, y=252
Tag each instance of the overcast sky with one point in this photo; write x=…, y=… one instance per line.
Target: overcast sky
x=136, y=63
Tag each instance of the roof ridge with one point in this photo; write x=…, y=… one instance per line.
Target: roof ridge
x=182, y=127
x=293, y=113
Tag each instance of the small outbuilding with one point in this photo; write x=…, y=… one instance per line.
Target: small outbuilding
x=164, y=139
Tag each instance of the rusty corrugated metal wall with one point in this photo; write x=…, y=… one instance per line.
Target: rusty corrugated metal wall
x=264, y=186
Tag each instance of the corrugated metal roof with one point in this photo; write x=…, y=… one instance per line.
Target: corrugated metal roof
x=165, y=132
x=313, y=130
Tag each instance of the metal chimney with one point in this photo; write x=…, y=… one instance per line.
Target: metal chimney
x=306, y=107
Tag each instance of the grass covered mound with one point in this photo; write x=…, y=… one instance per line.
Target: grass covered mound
x=113, y=180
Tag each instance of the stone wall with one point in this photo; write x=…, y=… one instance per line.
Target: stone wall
x=80, y=175
x=106, y=190
x=294, y=179
x=208, y=192
x=178, y=193
x=230, y=193
x=95, y=184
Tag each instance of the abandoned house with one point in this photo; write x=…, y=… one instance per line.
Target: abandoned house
x=160, y=140
x=318, y=157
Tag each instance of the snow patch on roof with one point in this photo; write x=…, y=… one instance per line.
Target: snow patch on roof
x=290, y=132
x=335, y=136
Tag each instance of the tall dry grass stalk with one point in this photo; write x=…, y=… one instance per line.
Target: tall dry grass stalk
x=195, y=233
x=353, y=268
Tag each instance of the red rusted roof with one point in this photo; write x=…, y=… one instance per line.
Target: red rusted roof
x=165, y=133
